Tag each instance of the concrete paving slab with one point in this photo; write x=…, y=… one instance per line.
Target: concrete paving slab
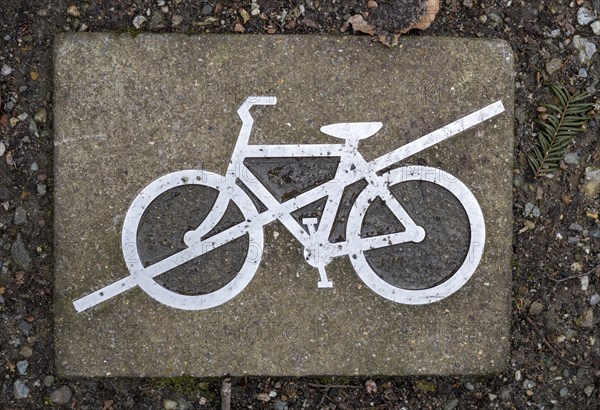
x=129, y=110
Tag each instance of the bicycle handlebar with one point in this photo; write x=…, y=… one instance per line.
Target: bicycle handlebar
x=255, y=100
x=247, y=122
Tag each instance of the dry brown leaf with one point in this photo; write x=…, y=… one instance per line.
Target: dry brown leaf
x=358, y=24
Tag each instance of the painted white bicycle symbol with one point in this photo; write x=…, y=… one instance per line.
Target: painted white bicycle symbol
x=312, y=232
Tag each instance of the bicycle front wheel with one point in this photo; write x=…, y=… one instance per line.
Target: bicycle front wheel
x=155, y=226
x=418, y=272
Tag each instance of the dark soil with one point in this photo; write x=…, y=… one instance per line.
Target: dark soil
x=555, y=357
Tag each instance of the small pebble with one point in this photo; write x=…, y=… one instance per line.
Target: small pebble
x=596, y=27
x=531, y=209
x=564, y=392
x=495, y=18
x=138, y=21
x=169, y=404
x=594, y=299
x=451, y=404
x=492, y=397
x=536, y=308
x=468, y=3
x=555, y=33
x=576, y=227
x=41, y=188
x=48, y=380
x=20, y=254
x=572, y=158
x=207, y=9
x=2, y=148
x=20, y=389
x=588, y=390
x=20, y=216
x=505, y=395
x=529, y=384
x=62, y=395
x=585, y=16
x=73, y=11
x=582, y=73
x=587, y=319
x=176, y=19
x=553, y=65
x=41, y=116
x=586, y=48
x=585, y=282
x=6, y=69
x=22, y=366
x=26, y=351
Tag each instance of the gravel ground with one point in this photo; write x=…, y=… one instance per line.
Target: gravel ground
x=555, y=357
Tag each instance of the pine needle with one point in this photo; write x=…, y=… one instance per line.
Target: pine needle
x=557, y=126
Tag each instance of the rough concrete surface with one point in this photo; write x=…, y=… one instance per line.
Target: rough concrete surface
x=130, y=109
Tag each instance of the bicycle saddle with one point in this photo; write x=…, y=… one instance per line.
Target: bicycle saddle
x=352, y=130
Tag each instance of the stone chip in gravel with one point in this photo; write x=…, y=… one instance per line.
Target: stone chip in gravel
x=587, y=319
x=41, y=116
x=62, y=395
x=6, y=69
x=22, y=366
x=585, y=16
x=594, y=299
x=586, y=48
x=73, y=11
x=26, y=351
x=2, y=148
x=553, y=65
x=20, y=389
x=20, y=254
x=596, y=27
x=138, y=21
x=591, y=186
x=572, y=158
x=170, y=404
x=536, y=308
x=20, y=216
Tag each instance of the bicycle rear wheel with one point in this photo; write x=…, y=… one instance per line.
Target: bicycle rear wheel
x=154, y=230
x=439, y=265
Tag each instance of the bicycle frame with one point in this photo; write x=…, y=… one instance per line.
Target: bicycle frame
x=333, y=189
